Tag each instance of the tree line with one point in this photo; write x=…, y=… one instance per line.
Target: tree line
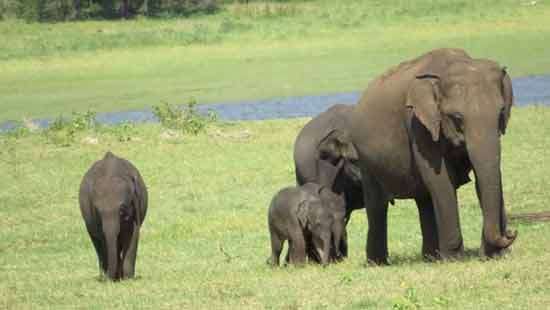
x=61, y=10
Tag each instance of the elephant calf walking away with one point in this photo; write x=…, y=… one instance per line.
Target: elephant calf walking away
x=113, y=203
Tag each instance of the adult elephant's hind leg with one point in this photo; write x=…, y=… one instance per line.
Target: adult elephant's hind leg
x=376, y=206
x=428, y=225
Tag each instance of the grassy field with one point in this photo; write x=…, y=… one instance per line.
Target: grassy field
x=251, y=52
x=205, y=241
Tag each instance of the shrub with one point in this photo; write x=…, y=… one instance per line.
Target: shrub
x=62, y=131
x=59, y=10
x=187, y=119
x=122, y=132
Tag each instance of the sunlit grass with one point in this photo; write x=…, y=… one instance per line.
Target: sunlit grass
x=317, y=48
x=205, y=240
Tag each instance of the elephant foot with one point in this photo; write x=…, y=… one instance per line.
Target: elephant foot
x=430, y=256
x=451, y=255
x=487, y=251
x=337, y=258
x=377, y=254
x=430, y=252
x=378, y=261
x=273, y=260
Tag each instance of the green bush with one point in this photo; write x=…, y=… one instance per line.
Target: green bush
x=60, y=10
x=186, y=119
x=122, y=132
x=62, y=131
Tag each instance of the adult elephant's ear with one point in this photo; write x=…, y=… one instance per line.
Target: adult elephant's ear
x=508, y=96
x=335, y=145
x=423, y=101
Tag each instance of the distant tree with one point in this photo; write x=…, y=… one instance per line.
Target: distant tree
x=59, y=10
x=77, y=9
x=108, y=8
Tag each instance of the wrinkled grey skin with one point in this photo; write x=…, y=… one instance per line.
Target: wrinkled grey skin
x=320, y=146
x=312, y=218
x=419, y=129
x=324, y=142
x=113, y=203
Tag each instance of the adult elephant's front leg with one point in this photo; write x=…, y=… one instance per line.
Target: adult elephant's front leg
x=447, y=219
x=434, y=172
x=377, y=213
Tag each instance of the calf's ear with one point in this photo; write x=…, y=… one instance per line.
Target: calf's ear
x=302, y=213
x=137, y=200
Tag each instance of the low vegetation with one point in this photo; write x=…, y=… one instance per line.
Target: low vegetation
x=186, y=119
x=205, y=241
x=64, y=10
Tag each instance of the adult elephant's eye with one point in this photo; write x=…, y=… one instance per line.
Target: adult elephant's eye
x=323, y=155
x=458, y=120
x=457, y=116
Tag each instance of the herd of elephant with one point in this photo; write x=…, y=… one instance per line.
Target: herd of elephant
x=417, y=132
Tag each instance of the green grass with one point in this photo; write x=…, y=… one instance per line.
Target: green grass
x=259, y=51
x=210, y=192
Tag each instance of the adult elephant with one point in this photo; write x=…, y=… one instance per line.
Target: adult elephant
x=324, y=154
x=419, y=130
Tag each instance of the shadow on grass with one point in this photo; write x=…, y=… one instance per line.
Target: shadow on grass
x=104, y=279
x=530, y=218
x=470, y=254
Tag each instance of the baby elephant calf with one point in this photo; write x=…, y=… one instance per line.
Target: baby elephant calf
x=312, y=218
x=113, y=203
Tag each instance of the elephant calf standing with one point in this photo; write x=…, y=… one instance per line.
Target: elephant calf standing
x=113, y=203
x=311, y=217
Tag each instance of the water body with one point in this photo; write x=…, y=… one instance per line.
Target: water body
x=528, y=90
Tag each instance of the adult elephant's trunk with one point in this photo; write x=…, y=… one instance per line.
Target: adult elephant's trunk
x=111, y=229
x=484, y=152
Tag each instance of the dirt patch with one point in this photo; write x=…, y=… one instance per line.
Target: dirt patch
x=531, y=217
